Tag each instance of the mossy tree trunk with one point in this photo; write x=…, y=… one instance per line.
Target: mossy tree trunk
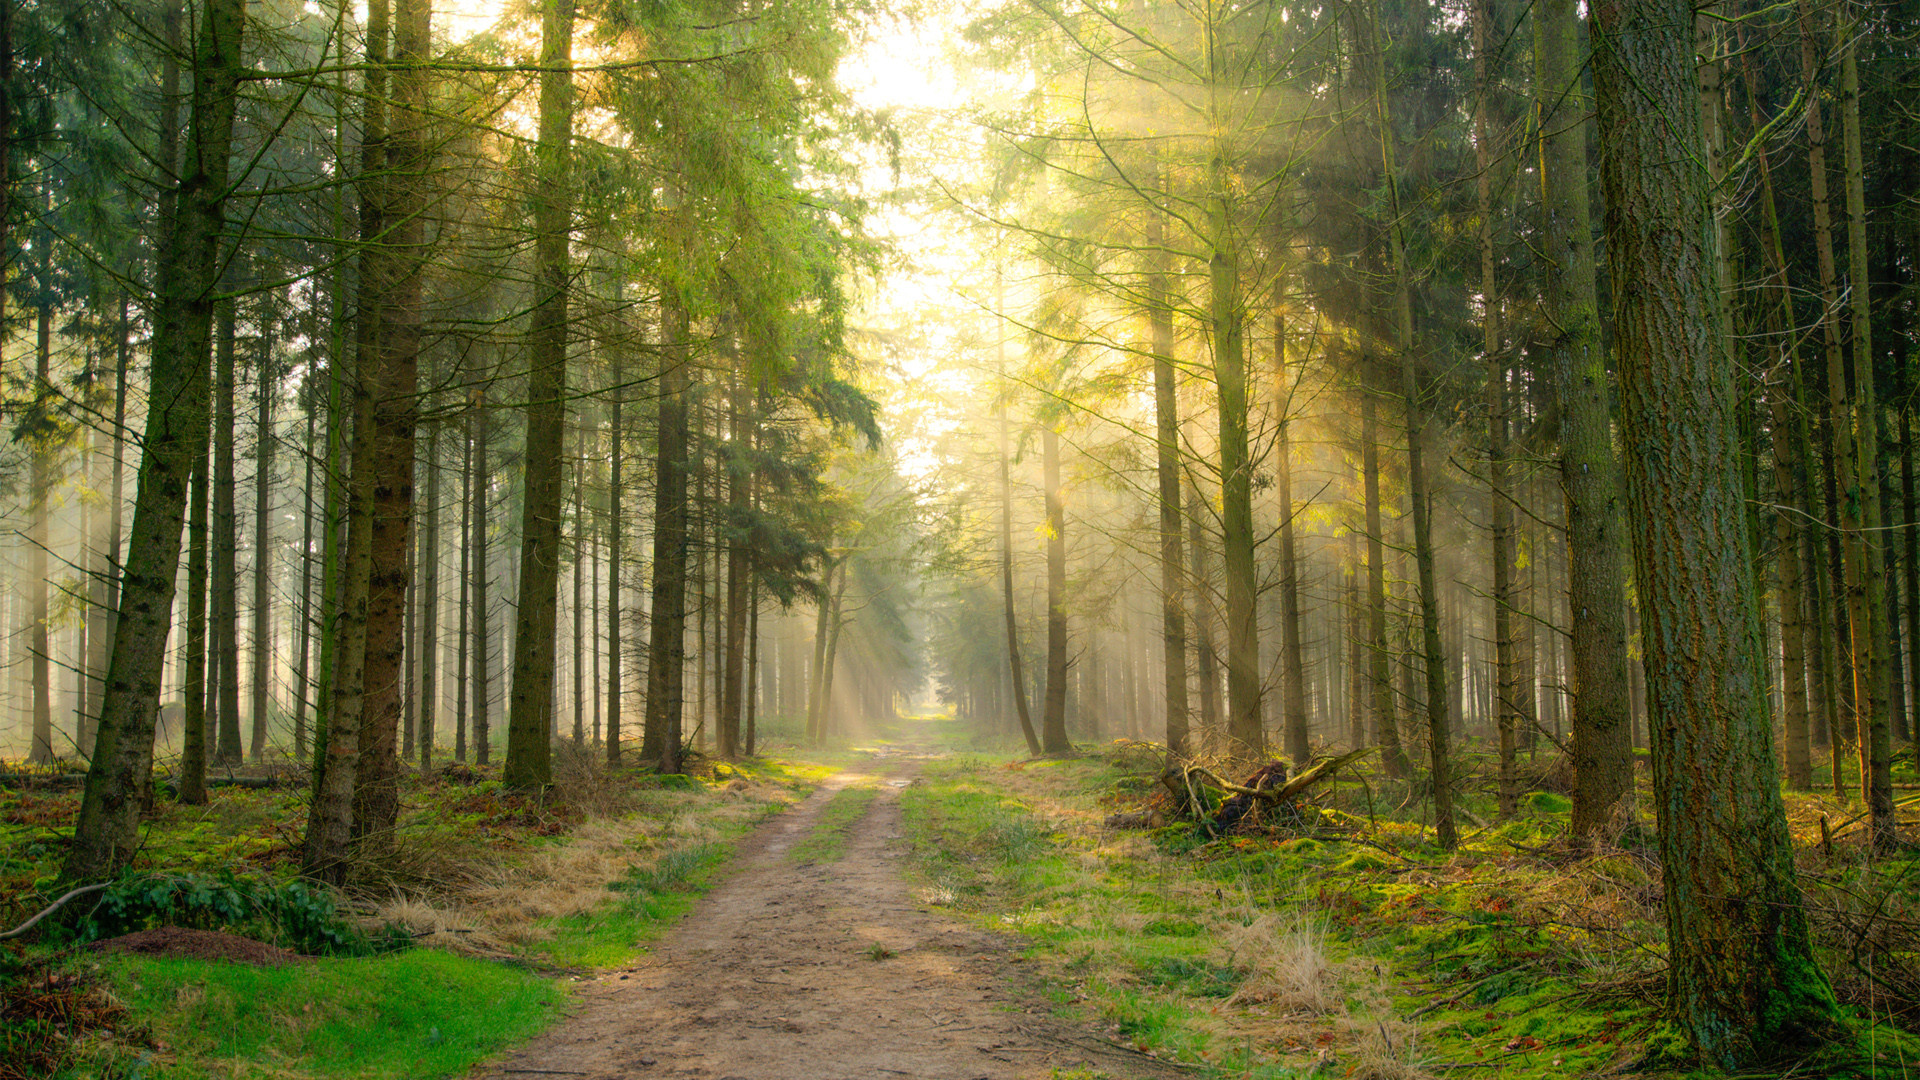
x=1742, y=981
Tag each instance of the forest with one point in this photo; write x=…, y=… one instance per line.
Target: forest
x=1361, y=538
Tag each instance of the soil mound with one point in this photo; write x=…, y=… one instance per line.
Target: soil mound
x=198, y=945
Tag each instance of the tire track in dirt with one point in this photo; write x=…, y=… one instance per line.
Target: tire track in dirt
x=773, y=976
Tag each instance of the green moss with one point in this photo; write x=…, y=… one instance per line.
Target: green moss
x=1547, y=802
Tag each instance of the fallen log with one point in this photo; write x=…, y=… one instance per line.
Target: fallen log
x=1268, y=786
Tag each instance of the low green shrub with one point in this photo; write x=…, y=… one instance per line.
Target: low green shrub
x=292, y=914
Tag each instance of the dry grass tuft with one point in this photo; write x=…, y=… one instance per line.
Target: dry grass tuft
x=1385, y=1050
x=1285, y=959
x=495, y=903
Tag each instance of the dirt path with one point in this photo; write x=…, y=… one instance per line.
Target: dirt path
x=773, y=977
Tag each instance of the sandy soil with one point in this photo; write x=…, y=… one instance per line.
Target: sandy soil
x=773, y=976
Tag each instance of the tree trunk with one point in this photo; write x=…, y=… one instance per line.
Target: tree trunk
x=1053, y=727
x=462, y=680
x=1293, y=672
x=106, y=831
x=330, y=817
x=1912, y=520
x=429, y=586
x=1876, y=741
x=1602, y=746
x=303, y=617
x=262, y=549
x=1206, y=669
x=394, y=416
x=667, y=624
x=737, y=539
x=1380, y=657
x=1014, y=667
x=615, y=489
x=1742, y=980
x=226, y=585
x=1166, y=411
x=39, y=533
x=532, y=690
x=481, y=485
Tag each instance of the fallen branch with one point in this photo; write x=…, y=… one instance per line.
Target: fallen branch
x=53, y=907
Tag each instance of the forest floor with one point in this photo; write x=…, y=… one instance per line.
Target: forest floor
x=924, y=904
x=814, y=960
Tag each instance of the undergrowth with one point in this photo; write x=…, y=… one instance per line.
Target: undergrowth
x=1347, y=943
x=507, y=892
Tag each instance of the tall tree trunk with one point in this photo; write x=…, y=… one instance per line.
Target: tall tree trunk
x=330, y=819
x=822, y=633
x=667, y=626
x=1166, y=412
x=1379, y=657
x=616, y=453
x=106, y=831
x=193, y=721
x=1602, y=746
x=226, y=583
x=1293, y=672
x=1418, y=492
x=737, y=539
x=532, y=703
x=1053, y=726
x=1876, y=739
x=1014, y=667
x=580, y=618
x=39, y=532
x=1742, y=980
x=429, y=586
x=262, y=547
x=1789, y=463
x=1498, y=398
x=394, y=416
x=303, y=619
x=480, y=485
x=1912, y=531
x=1842, y=493
x=464, y=590
x=1206, y=669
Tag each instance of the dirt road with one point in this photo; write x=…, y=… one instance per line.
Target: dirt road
x=831, y=971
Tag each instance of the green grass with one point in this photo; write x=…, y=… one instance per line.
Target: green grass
x=420, y=1013
x=828, y=840
x=644, y=903
x=1519, y=968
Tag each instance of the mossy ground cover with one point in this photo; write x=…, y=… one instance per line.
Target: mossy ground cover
x=1358, y=950
x=507, y=896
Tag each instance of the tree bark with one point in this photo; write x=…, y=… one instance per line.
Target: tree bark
x=667, y=625
x=1166, y=412
x=1876, y=740
x=226, y=599
x=532, y=692
x=1602, y=743
x=616, y=452
x=262, y=549
x=1742, y=980
x=106, y=831
x=393, y=419
x=1053, y=727
x=1386, y=717
x=1293, y=672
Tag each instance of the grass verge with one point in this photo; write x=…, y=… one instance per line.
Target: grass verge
x=828, y=840
x=1263, y=956
x=505, y=896
x=421, y=1013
